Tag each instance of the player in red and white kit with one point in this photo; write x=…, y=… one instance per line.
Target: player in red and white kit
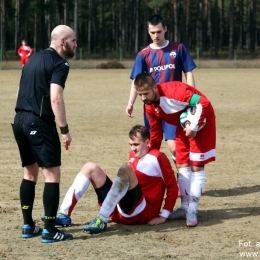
x=165, y=61
x=194, y=148
x=25, y=52
x=137, y=193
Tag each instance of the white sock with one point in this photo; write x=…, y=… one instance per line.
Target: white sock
x=198, y=180
x=116, y=193
x=74, y=193
x=184, y=181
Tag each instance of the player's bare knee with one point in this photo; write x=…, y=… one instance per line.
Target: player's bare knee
x=125, y=172
x=88, y=169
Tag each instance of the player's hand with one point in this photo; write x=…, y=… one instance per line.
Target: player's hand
x=156, y=221
x=189, y=132
x=129, y=110
x=66, y=140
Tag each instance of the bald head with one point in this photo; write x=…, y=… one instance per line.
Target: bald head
x=63, y=40
x=59, y=32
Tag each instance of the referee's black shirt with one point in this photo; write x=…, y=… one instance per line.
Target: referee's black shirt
x=42, y=69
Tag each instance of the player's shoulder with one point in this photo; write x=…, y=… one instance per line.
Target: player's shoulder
x=56, y=57
x=157, y=153
x=145, y=50
x=177, y=46
x=159, y=158
x=171, y=85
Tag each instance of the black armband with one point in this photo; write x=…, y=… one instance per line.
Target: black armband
x=64, y=129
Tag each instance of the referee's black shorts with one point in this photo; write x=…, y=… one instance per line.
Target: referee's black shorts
x=37, y=140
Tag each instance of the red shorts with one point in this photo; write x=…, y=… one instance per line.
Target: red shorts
x=198, y=150
x=24, y=59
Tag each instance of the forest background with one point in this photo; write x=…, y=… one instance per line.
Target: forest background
x=213, y=29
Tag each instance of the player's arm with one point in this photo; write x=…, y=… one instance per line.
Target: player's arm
x=170, y=183
x=190, y=78
x=19, y=52
x=139, y=67
x=188, y=65
x=58, y=107
x=131, y=101
x=156, y=134
x=202, y=104
x=171, y=190
x=17, y=93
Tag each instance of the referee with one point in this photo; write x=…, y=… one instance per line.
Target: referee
x=39, y=107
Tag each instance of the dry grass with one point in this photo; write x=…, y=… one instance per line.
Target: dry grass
x=95, y=104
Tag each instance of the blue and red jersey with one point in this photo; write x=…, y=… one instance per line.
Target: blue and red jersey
x=164, y=63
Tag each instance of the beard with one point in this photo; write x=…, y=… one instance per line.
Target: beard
x=146, y=102
x=69, y=52
x=150, y=102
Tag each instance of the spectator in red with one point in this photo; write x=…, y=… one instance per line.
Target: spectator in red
x=25, y=51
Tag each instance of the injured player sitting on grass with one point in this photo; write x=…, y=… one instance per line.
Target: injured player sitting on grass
x=137, y=193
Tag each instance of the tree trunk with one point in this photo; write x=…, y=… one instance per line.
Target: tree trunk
x=16, y=30
x=252, y=25
x=249, y=17
x=47, y=23
x=209, y=29
x=137, y=27
x=240, y=21
x=122, y=27
x=216, y=28
x=67, y=18
x=175, y=14
x=185, y=27
x=144, y=33
x=3, y=39
x=35, y=27
x=231, y=30
x=76, y=24
x=89, y=25
x=114, y=38
x=187, y=21
x=103, y=31
x=221, y=24
x=199, y=27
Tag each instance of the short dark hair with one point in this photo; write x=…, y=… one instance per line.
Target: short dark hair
x=142, y=130
x=155, y=20
x=144, y=80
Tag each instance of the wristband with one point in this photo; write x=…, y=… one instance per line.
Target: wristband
x=64, y=129
x=194, y=100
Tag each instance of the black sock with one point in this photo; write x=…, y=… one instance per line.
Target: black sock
x=51, y=196
x=27, y=194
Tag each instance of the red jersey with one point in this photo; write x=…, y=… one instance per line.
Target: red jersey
x=155, y=176
x=174, y=98
x=25, y=50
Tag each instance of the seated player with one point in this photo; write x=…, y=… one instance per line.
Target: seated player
x=194, y=148
x=137, y=193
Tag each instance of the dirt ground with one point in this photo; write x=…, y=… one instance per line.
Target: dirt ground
x=95, y=103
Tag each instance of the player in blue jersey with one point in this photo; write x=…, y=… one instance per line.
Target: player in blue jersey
x=165, y=61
